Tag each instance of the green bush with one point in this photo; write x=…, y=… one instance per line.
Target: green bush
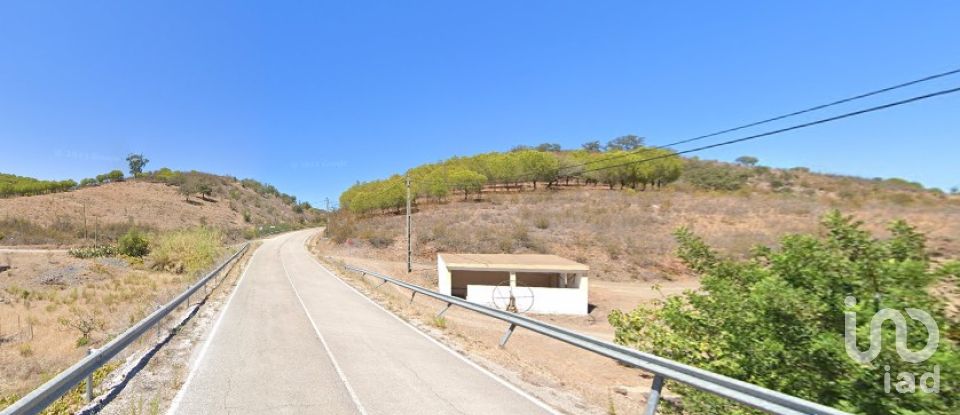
x=777, y=320
x=134, y=243
x=186, y=251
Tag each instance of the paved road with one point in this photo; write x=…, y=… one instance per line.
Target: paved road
x=295, y=339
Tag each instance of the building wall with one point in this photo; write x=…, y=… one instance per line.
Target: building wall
x=543, y=300
x=443, y=277
x=541, y=294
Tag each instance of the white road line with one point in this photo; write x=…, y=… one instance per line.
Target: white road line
x=175, y=405
x=466, y=360
x=333, y=360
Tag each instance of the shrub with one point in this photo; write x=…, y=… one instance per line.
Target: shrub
x=542, y=222
x=26, y=350
x=777, y=319
x=84, y=321
x=377, y=236
x=715, y=176
x=134, y=243
x=900, y=199
x=115, y=176
x=186, y=251
x=93, y=251
x=341, y=226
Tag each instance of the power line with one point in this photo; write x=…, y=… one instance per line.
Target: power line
x=755, y=136
x=779, y=131
x=783, y=130
x=769, y=120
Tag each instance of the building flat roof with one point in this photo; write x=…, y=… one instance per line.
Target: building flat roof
x=511, y=262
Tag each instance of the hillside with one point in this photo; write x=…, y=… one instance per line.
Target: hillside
x=627, y=237
x=627, y=234
x=160, y=200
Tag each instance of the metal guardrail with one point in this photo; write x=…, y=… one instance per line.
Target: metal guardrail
x=663, y=369
x=46, y=394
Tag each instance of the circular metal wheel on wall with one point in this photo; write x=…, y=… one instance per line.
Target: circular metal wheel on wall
x=517, y=299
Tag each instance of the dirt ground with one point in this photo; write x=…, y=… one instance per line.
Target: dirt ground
x=62, y=219
x=155, y=385
x=627, y=236
x=156, y=204
x=47, y=297
x=556, y=370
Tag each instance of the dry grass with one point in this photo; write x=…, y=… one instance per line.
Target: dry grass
x=48, y=301
x=625, y=235
x=110, y=210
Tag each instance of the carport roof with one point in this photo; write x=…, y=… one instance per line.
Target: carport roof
x=511, y=262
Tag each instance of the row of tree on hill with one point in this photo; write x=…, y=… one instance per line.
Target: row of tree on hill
x=12, y=185
x=623, y=163
x=189, y=183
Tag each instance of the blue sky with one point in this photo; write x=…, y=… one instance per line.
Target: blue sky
x=313, y=97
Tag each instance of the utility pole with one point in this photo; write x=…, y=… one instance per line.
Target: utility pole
x=409, y=247
x=327, y=200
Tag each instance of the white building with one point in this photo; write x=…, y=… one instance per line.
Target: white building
x=545, y=284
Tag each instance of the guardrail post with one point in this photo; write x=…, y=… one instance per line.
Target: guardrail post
x=89, y=380
x=440, y=314
x=654, y=398
x=84, y=371
x=506, y=336
x=747, y=394
x=412, y=294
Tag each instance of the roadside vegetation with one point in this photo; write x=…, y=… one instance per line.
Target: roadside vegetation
x=185, y=251
x=179, y=251
x=775, y=319
x=757, y=292
x=53, y=306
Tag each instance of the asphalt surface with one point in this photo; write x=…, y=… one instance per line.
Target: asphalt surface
x=294, y=338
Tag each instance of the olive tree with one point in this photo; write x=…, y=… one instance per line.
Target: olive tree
x=137, y=162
